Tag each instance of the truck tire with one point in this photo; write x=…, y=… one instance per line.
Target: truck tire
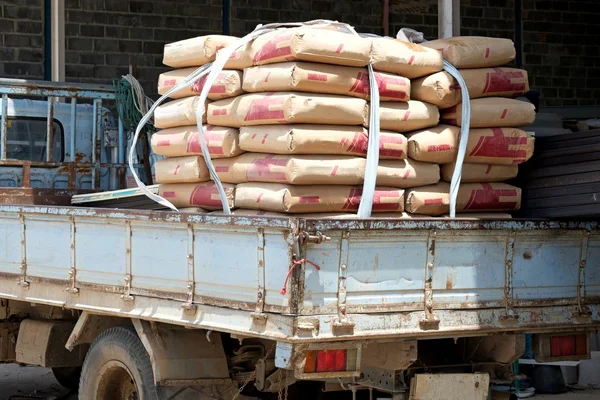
x=117, y=367
x=67, y=376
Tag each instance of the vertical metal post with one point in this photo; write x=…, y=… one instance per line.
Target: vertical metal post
x=444, y=18
x=73, y=127
x=58, y=40
x=96, y=142
x=50, y=130
x=4, y=127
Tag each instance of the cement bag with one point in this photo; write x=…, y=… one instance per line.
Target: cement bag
x=499, y=146
x=240, y=58
x=474, y=51
x=222, y=142
x=288, y=107
x=428, y=200
x=407, y=173
x=492, y=112
x=407, y=116
x=297, y=170
x=186, y=169
x=481, y=197
x=314, y=199
x=403, y=58
x=204, y=195
x=434, y=145
x=195, y=52
x=481, y=172
x=444, y=91
x=310, y=44
x=324, y=78
x=227, y=84
x=472, y=197
x=180, y=112
x=319, y=139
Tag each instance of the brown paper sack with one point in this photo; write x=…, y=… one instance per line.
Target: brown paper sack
x=287, y=107
x=227, y=84
x=180, y=112
x=319, y=139
x=407, y=59
x=493, y=112
x=444, y=91
x=204, y=195
x=240, y=58
x=428, y=200
x=314, y=199
x=195, y=52
x=324, y=78
x=407, y=173
x=435, y=145
x=186, y=169
x=297, y=170
x=472, y=197
x=322, y=170
x=482, y=197
x=499, y=146
x=481, y=172
x=474, y=51
x=222, y=142
x=407, y=116
x=310, y=44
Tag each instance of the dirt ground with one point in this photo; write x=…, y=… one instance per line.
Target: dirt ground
x=28, y=383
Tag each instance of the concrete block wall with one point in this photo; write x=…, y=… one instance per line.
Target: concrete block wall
x=105, y=37
x=21, y=39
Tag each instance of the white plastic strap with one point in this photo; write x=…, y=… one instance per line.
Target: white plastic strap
x=197, y=74
x=464, y=136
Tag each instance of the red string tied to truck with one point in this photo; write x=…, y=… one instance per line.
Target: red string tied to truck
x=294, y=263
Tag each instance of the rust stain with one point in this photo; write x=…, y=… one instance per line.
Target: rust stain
x=527, y=255
x=449, y=283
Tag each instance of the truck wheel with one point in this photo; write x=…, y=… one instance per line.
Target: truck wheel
x=117, y=367
x=67, y=376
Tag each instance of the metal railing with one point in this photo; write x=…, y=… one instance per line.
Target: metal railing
x=53, y=91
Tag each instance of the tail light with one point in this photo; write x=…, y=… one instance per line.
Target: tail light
x=330, y=361
x=572, y=345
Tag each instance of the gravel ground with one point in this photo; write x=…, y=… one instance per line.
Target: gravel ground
x=28, y=383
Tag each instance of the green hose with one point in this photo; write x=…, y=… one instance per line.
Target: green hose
x=126, y=108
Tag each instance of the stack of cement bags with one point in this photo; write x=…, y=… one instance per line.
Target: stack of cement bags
x=287, y=125
x=297, y=141
x=495, y=146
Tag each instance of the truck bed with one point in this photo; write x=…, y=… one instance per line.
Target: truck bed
x=353, y=279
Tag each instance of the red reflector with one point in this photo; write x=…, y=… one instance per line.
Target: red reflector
x=572, y=345
x=331, y=361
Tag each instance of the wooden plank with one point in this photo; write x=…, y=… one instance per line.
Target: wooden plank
x=562, y=201
x=561, y=170
x=450, y=387
x=569, y=136
x=561, y=191
x=589, y=211
x=566, y=158
x=566, y=180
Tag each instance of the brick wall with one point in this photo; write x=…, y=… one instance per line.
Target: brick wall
x=21, y=39
x=561, y=50
x=104, y=37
